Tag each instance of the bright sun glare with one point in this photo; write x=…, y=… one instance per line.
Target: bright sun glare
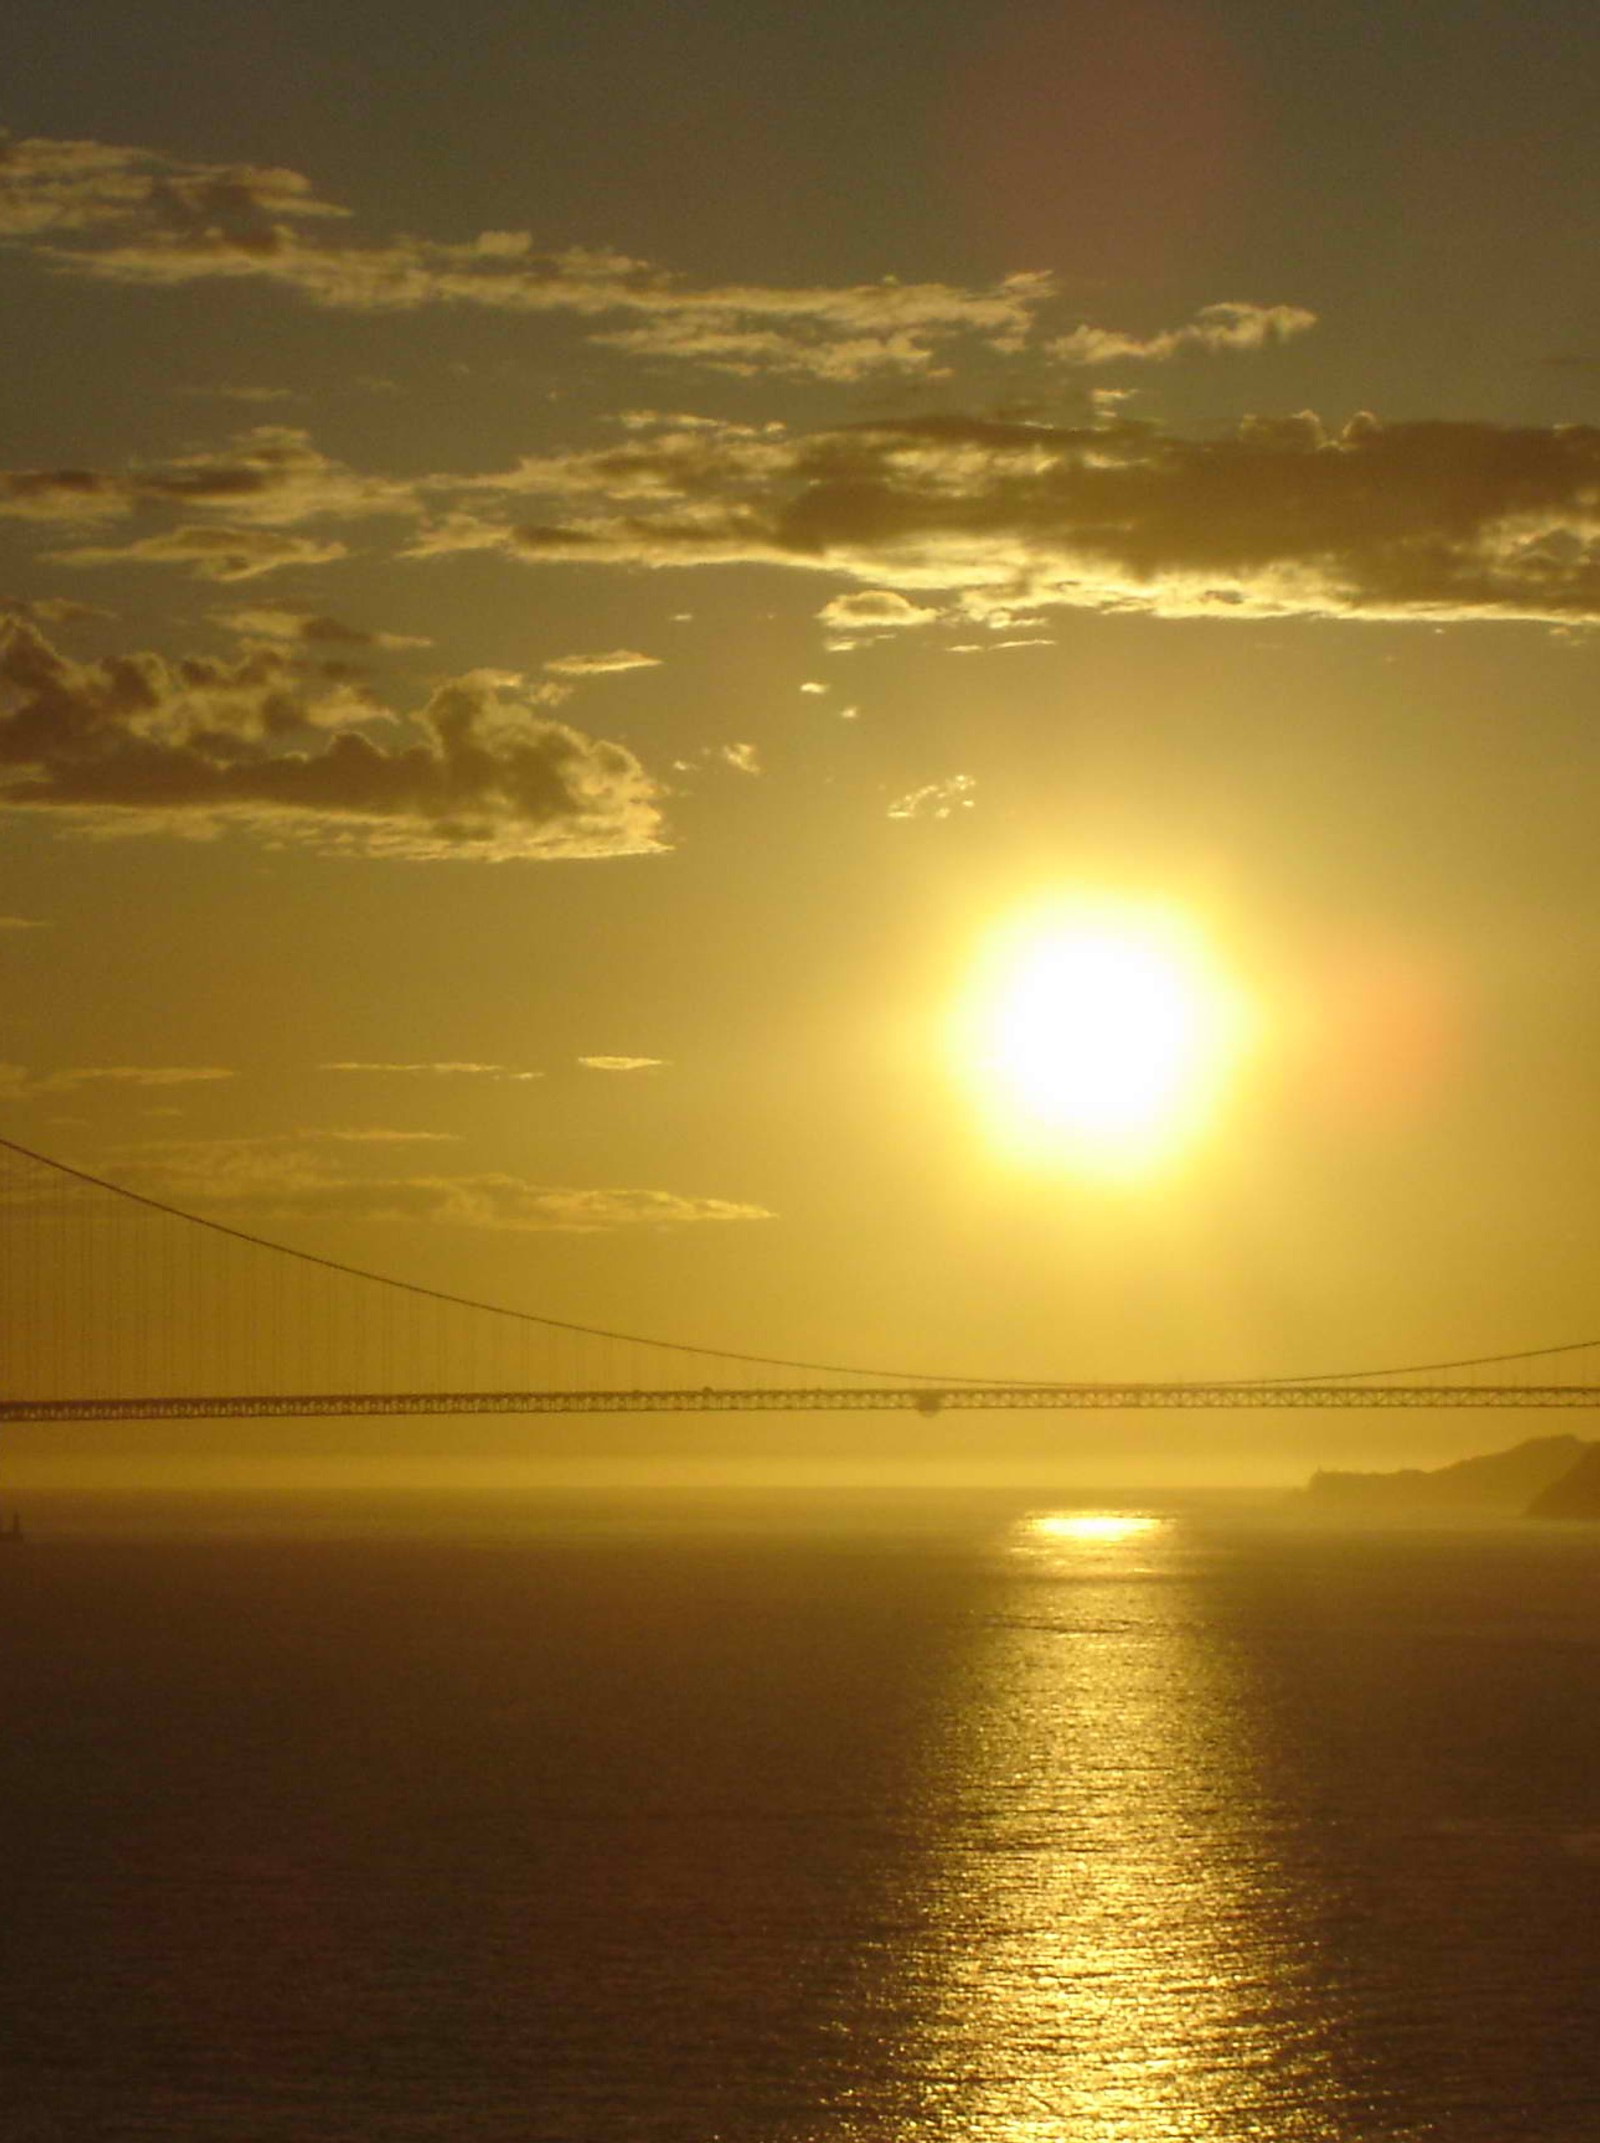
x=1100, y=1036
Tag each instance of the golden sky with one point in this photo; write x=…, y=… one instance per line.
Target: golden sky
x=578, y=583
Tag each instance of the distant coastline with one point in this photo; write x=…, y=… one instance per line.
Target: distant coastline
x=1545, y=1477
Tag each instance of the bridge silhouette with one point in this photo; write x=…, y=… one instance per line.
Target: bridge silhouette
x=116, y=1305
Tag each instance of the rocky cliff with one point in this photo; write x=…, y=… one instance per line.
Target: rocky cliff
x=1576, y=1494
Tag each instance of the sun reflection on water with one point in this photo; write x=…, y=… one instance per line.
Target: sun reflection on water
x=1092, y=1528
x=1120, y=1954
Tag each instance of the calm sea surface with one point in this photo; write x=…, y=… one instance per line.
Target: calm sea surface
x=775, y=1822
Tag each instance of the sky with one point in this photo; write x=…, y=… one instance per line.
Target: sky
x=575, y=584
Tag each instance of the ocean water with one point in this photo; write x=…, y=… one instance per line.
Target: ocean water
x=786, y=1821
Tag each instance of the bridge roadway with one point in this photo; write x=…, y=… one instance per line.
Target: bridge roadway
x=721, y=1399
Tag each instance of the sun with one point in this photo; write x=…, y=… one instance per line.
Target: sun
x=1100, y=1034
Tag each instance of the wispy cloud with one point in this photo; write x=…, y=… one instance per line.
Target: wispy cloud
x=271, y=475
x=445, y=1070
x=137, y=216
x=52, y=610
x=138, y=744
x=291, y=1180
x=936, y=799
x=618, y=659
x=251, y=397
x=622, y=1064
x=18, y=1083
x=210, y=553
x=21, y=922
x=1214, y=330
x=57, y=188
x=309, y=629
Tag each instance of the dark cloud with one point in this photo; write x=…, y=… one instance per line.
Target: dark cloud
x=271, y=473
x=282, y=622
x=52, y=610
x=137, y=743
x=1416, y=520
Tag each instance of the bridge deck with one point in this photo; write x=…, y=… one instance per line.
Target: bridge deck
x=800, y=1398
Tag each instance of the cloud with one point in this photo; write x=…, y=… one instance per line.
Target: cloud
x=874, y=609
x=1214, y=330
x=1281, y=518
x=137, y=216
x=52, y=610
x=622, y=1064
x=719, y=343
x=306, y=628
x=135, y=743
x=619, y=658
x=936, y=799
x=257, y=397
x=21, y=922
x=220, y=554
x=52, y=188
x=743, y=758
x=447, y=1070
x=270, y=474
x=17, y=1083
x=380, y=1135
x=278, y=1180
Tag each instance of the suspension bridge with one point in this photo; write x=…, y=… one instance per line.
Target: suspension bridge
x=116, y=1305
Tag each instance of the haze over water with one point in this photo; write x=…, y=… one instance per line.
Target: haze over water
x=786, y=1820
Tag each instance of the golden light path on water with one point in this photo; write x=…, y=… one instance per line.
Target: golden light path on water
x=1121, y=1961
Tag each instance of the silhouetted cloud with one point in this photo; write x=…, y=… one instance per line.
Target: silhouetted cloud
x=272, y=474
x=135, y=743
x=52, y=610
x=1281, y=518
x=308, y=628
